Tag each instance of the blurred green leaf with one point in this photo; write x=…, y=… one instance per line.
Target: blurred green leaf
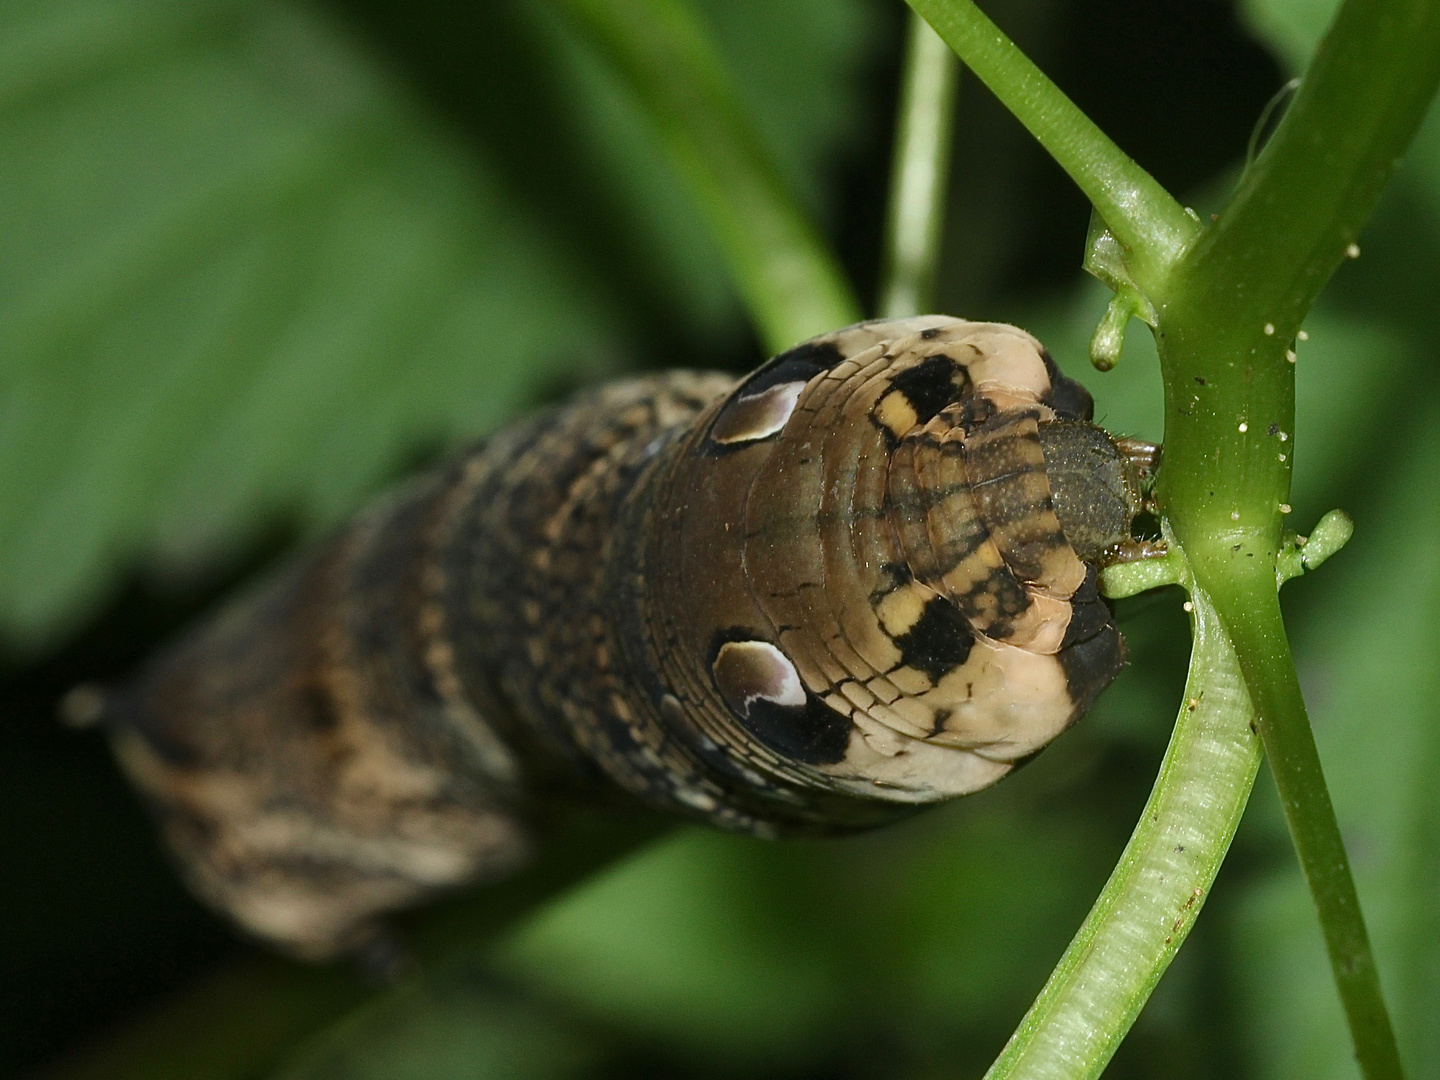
x=242, y=275
x=1293, y=28
x=246, y=272
x=1353, y=372
x=453, y=1028
x=692, y=945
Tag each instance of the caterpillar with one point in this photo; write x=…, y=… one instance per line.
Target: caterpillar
x=860, y=580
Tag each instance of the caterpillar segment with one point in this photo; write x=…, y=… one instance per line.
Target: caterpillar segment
x=861, y=580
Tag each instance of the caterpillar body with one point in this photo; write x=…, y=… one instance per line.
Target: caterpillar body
x=860, y=580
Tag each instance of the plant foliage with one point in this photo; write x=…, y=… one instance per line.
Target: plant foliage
x=257, y=258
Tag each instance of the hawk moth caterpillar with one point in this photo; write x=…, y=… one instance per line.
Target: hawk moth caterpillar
x=860, y=580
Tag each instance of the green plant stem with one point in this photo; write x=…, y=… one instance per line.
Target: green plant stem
x=1146, y=220
x=1226, y=319
x=1259, y=636
x=1235, y=301
x=919, y=171
x=1228, y=305
x=1161, y=881
x=1303, y=200
x=790, y=282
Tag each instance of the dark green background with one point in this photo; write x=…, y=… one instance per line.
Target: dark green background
x=257, y=259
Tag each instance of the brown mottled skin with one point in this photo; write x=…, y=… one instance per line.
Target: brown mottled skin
x=809, y=602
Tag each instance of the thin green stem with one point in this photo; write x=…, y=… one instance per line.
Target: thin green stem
x=919, y=171
x=790, y=282
x=1161, y=881
x=1142, y=215
x=1264, y=652
x=1129, y=578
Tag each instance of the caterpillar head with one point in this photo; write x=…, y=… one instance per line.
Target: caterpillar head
x=881, y=562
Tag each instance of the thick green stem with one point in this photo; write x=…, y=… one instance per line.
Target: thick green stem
x=1163, y=878
x=918, y=173
x=1235, y=302
x=1227, y=321
x=789, y=280
x=1299, y=207
x=1142, y=215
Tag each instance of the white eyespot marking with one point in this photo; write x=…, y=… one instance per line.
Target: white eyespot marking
x=756, y=416
x=750, y=671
